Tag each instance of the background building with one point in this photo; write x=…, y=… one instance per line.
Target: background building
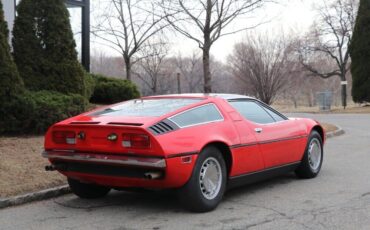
x=83, y=10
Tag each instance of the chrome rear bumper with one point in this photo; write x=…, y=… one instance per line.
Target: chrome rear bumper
x=105, y=158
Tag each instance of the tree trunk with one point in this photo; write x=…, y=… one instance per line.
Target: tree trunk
x=155, y=87
x=206, y=70
x=295, y=102
x=309, y=99
x=178, y=83
x=344, y=96
x=343, y=90
x=128, y=68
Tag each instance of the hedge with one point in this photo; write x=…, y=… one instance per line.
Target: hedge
x=33, y=112
x=89, y=85
x=36, y=111
x=111, y=90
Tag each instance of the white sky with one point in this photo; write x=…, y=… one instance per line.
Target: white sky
x=294, y=16
x=289, y=16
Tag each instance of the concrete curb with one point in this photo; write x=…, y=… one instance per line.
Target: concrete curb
x=335, y=133
x=34, y=196
x=61, y=190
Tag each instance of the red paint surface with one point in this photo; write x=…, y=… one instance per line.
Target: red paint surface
x=279, y=143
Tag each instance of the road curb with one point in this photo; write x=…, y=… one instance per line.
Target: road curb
x=335, y=133
x=34, y=196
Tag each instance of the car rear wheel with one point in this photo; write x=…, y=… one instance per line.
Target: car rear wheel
x=87, y=191
x=313, y=157
x=206, y=187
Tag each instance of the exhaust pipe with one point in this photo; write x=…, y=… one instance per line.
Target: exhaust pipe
x=49, y=168
x=55, y=167
x=153, y=175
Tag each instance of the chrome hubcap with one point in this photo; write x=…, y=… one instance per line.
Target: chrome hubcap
x=210, y=178
x=314, y=154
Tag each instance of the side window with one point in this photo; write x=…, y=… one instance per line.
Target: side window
x=202, y=114
x=250, y=110
x=274, y=115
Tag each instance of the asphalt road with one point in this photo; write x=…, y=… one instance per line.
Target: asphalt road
x=339, y=198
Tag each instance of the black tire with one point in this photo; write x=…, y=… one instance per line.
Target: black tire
x=87, y=191
x=305, y=169
x=192, y=194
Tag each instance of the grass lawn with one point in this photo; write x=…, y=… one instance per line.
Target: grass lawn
x=22, y=167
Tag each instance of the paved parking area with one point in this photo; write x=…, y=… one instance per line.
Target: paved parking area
x=339, y=198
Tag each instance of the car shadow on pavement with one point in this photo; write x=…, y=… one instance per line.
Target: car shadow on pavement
x=155, y=200
x=161, y=201
x=260, y=186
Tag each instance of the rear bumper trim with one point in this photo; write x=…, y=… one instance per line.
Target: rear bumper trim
x=107, y=159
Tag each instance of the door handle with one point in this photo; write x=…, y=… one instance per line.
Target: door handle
x=258, y=130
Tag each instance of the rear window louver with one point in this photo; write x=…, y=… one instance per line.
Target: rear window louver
x=163, y=127
x=84, y=122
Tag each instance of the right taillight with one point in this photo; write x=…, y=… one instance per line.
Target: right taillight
x=133, y=140
x=64, y=137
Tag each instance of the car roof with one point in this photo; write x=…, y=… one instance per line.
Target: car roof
x=203, y=95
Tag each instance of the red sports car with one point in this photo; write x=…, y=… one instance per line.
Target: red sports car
x=199, y=144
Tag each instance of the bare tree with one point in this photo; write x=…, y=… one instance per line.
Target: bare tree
x=262, y=64
x=190, y=69
x=151, y=69
x=210, y=18
x=330, y=37
x=101, y=63
x=126, y=26
x=223, y=80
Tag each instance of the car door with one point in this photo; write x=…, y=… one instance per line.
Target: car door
x=279, y=138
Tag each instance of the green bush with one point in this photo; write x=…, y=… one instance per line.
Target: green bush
x=110, y=90
x=16, y=115
x=44, y=48
x=34, y=112
x=89, y=85
x=10, y=82
x=360, y=54
x=51, y=107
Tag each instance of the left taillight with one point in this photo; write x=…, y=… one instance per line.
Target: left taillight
x=133, y=140
x=64, y=137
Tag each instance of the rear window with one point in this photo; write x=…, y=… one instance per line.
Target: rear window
x=147, y=107
x=200, y=115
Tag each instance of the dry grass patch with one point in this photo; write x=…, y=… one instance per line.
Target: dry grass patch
x=329, y=127
x=352, y=108
x=22, y=167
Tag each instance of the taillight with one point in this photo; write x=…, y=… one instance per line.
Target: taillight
x=64, y=137
x=133, y=140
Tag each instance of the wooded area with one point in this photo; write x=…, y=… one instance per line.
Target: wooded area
x=267, y=65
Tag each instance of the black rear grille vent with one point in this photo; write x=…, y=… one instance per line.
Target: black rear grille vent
x=163, y=127
x=84, y=122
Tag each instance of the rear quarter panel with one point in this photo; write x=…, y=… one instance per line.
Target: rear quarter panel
x=194, y=138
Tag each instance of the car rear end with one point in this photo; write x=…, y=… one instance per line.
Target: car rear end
x=118, y=150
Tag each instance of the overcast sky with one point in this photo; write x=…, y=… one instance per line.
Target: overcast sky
x=288, y=16
x=294, y=16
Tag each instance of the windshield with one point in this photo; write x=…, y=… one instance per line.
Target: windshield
x=147, y=107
